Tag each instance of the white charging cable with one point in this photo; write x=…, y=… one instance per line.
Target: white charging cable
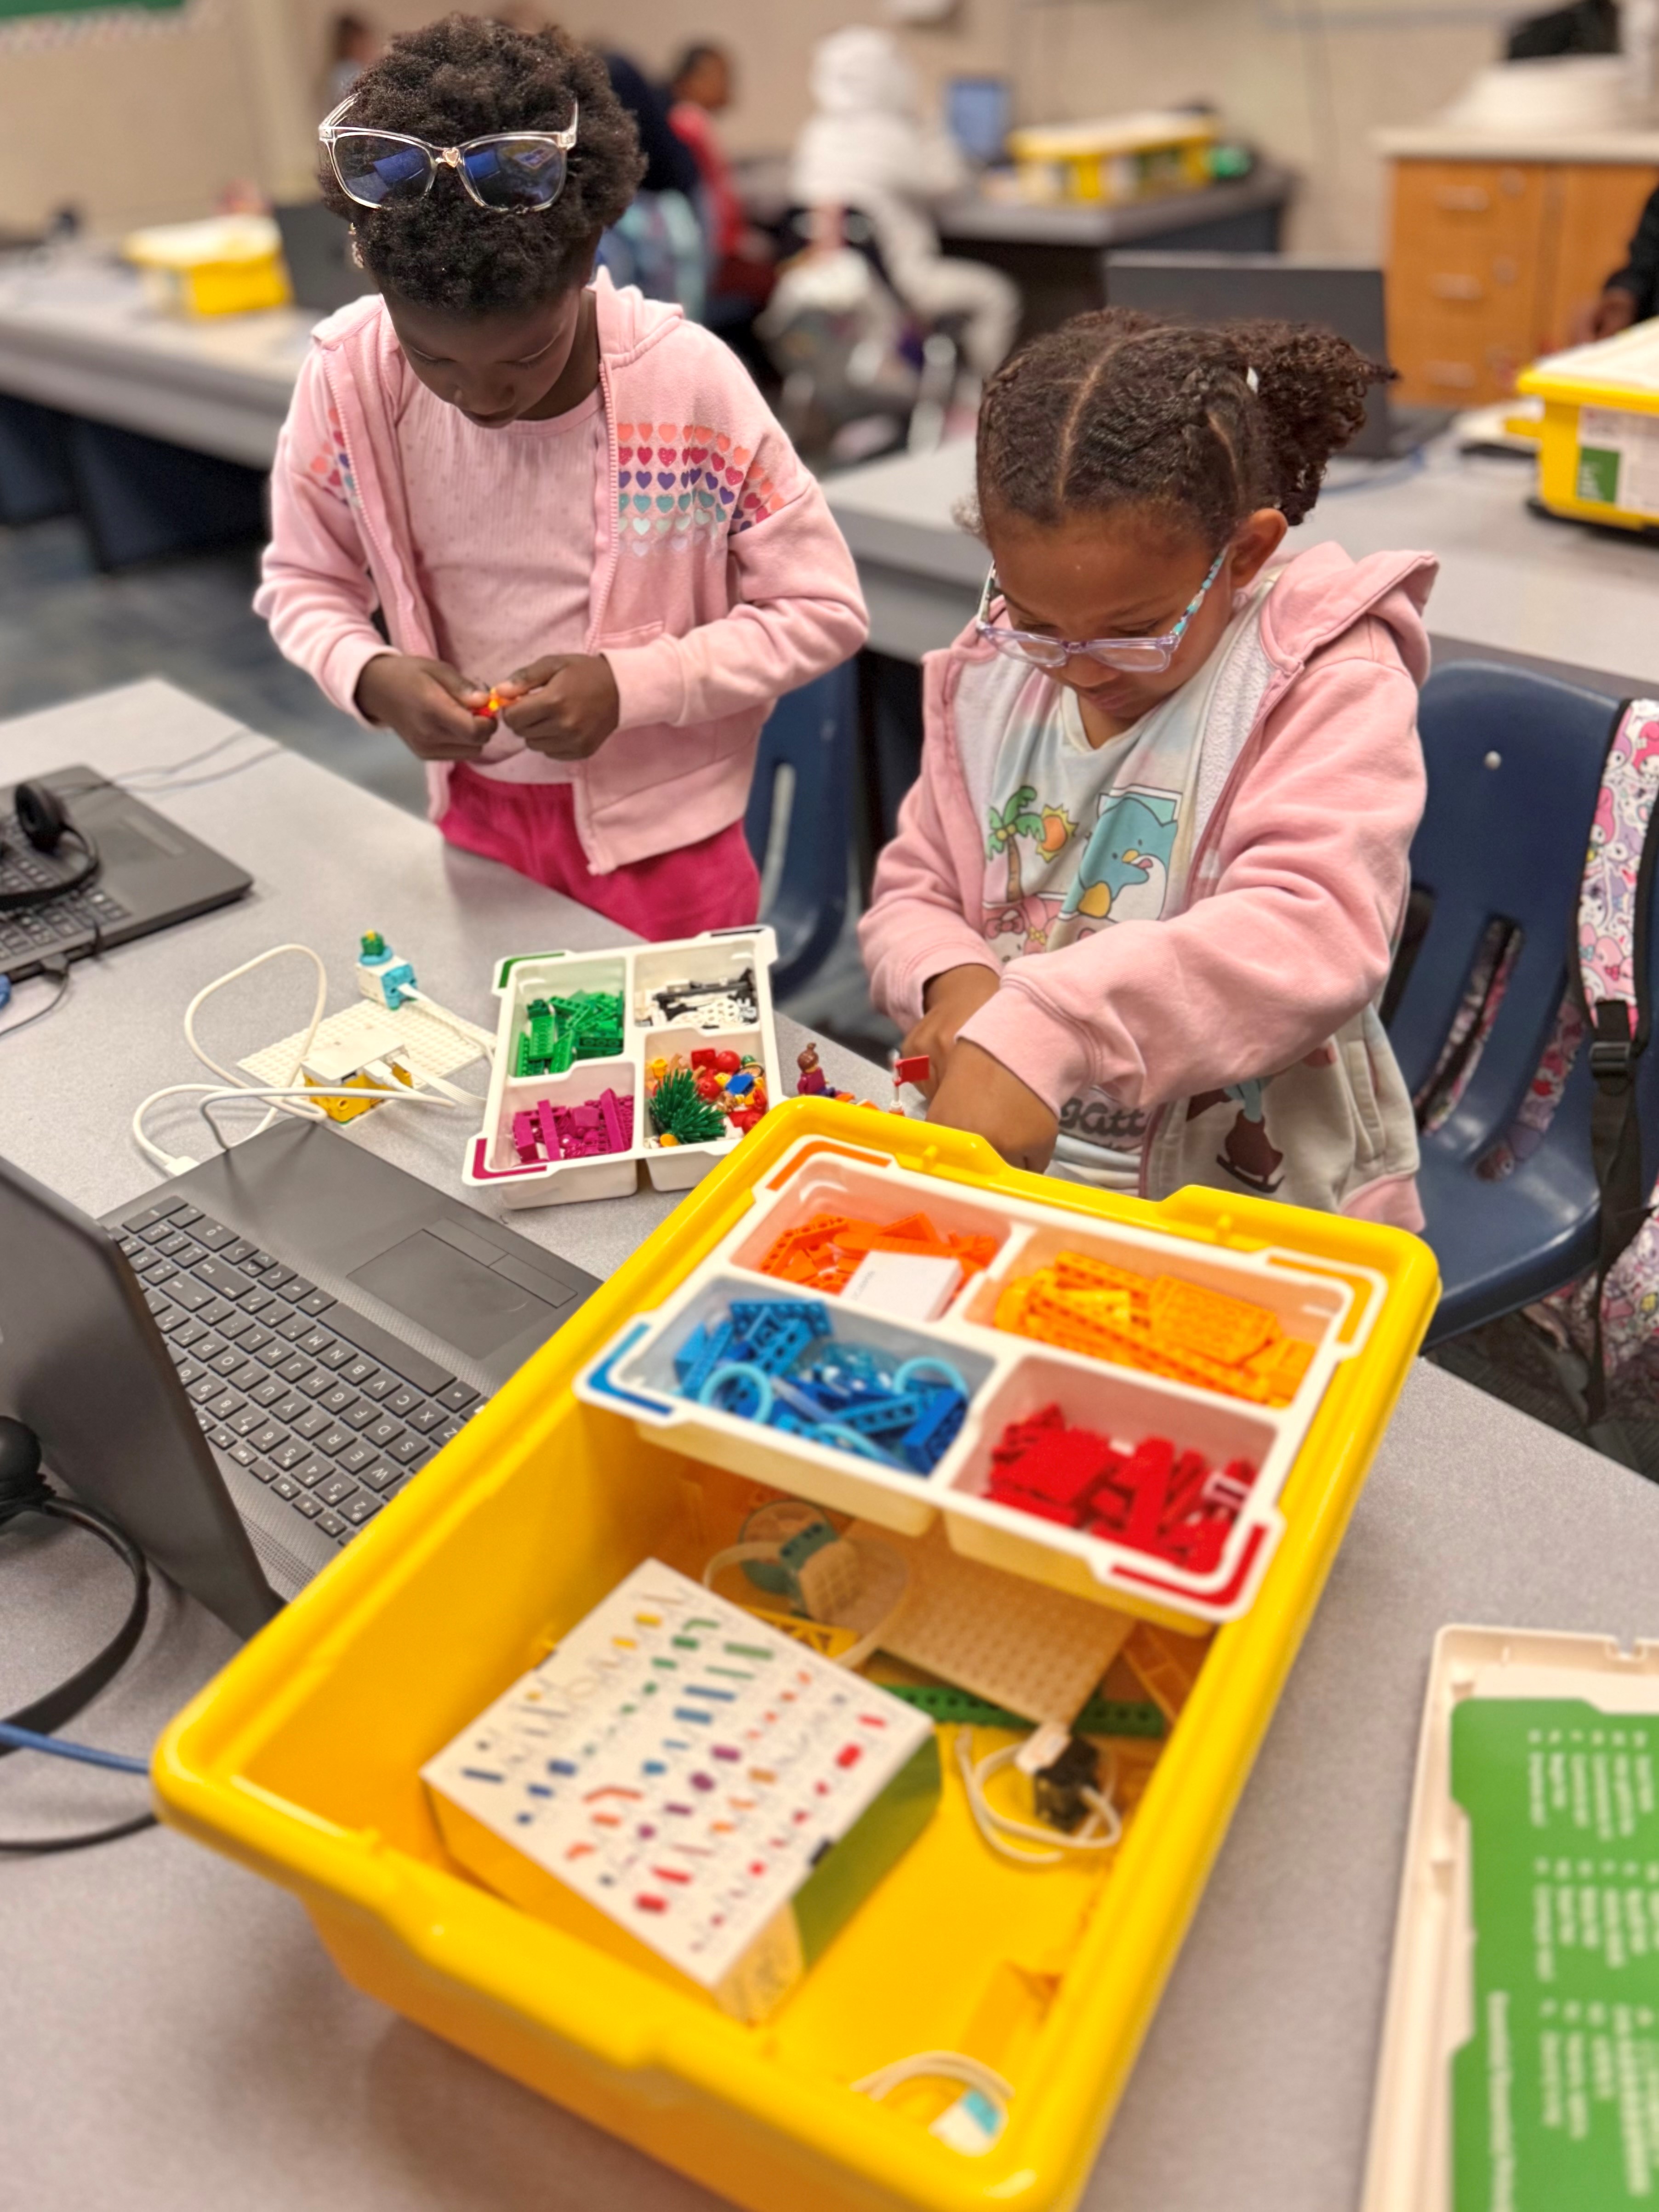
x=1101, y=1832
x=737, y=1555
x=290, y=1097
x=463, y=1028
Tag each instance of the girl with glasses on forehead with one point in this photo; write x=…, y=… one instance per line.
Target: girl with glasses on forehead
x=593, y=558
x=1144, y=896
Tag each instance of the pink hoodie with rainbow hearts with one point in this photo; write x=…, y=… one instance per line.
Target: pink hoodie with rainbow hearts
x=719, y=580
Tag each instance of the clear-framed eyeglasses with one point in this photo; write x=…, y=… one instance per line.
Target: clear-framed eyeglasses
x=506, y=172
x=1130, y=656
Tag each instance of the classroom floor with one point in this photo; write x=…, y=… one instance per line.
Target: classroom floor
x=65, y=629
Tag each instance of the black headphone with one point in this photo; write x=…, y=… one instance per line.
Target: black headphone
x=24, y=1489
x=44, y=820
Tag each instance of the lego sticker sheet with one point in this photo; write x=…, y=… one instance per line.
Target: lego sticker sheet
x=681, y=1765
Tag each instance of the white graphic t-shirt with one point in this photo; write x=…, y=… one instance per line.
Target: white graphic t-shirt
x=1081, y=838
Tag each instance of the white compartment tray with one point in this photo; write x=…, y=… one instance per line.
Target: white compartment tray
x=1008, y=1377
x=635, y=973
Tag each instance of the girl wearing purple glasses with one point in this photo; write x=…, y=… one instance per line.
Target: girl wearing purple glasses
x=1144, y=897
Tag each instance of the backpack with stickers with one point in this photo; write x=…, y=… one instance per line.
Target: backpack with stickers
x=1606, y=1325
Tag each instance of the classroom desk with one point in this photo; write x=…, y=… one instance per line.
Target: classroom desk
x=1579, y=602
x=175, y=2037
x=157, y=430
x=1056, y=251
x=1510, y=580
x=77, y=334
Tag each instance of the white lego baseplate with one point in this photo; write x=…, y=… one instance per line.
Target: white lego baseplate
x=430, y=1047
x=1020, y=1644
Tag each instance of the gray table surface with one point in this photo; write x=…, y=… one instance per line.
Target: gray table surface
x=175, y=2037
x=1509, y=579
x=77, y=332
x=975, y=217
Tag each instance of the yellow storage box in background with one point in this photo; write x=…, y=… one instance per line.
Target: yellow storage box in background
x=303, y=1758
x=1116, y=160
x=230, y=265
x=1598, y=455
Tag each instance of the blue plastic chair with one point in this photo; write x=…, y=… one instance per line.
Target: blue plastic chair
x=1515, y=764
x=811, y=733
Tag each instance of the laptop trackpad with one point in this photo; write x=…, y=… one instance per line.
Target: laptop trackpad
x=473, y=1308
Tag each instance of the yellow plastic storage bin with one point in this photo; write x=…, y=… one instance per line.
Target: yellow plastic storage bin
x=302, y=1760
x=1119, y=159
x=1598, y=455
x=231, y=265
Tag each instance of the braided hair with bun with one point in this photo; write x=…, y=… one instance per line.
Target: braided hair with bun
x=1202, y=425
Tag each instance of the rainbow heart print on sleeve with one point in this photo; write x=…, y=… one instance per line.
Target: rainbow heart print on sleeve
x=675, y=481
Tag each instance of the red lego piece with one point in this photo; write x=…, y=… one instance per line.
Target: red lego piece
x=709, y=1084
x=1005, y=1494
x=1064, y=1465
x=726, y=1063
x=1146, y=1473
x=706, y=1057
x=917, y=1068
x=1191, y=1474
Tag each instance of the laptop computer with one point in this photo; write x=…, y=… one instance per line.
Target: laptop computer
x=154, y=874
x=242, y=1366
x=316, y=245
x=1346, y=296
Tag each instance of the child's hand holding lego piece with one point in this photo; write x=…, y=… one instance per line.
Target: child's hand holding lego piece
x=565, y=706
x=439, y=714
x=977, y=1093
x=951, y=999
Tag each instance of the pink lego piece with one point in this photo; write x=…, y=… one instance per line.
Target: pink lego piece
x=546, y=1116
x=613, y=1135
x=525, y=1142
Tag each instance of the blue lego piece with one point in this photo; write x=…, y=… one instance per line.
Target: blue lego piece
x=738, y=1085
x=881, y=1416
x=700, y=1354
x=935, y=1429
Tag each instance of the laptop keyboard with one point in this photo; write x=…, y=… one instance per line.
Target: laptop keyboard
x=313, y=1399
x=32, y=934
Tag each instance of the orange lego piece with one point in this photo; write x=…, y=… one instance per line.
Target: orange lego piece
x=1162, y=1325
x=825, y=1252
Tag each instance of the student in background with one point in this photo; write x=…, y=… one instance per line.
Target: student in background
x=596, y=557
x=353, y=44
x=866, y=147
x=700, y=89
x=658, y=243
x=1143, y=899
x=1631, y=294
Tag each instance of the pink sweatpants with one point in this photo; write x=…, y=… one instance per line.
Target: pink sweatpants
x=532, y=827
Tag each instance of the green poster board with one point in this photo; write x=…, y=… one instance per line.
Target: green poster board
x=11, y=10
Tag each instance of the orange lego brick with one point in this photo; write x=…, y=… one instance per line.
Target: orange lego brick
x=1187, y=1317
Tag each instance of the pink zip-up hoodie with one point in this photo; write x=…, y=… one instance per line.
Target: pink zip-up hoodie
x=1310, y=786
x=720, y=578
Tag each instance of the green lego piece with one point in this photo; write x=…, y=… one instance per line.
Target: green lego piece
x=1119, y=1717
x=677, y=1111
x=946, y=1706
x=373, y=944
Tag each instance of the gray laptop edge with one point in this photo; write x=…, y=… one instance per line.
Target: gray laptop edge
x=1345, y=296
x=342, y=1319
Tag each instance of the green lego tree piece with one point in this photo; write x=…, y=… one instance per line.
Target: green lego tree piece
x=678, y=1112
x=373, y=944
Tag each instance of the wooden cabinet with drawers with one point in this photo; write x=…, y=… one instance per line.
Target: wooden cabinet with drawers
x=1490, y=259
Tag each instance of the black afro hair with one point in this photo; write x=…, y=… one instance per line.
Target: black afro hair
x=460, y=78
